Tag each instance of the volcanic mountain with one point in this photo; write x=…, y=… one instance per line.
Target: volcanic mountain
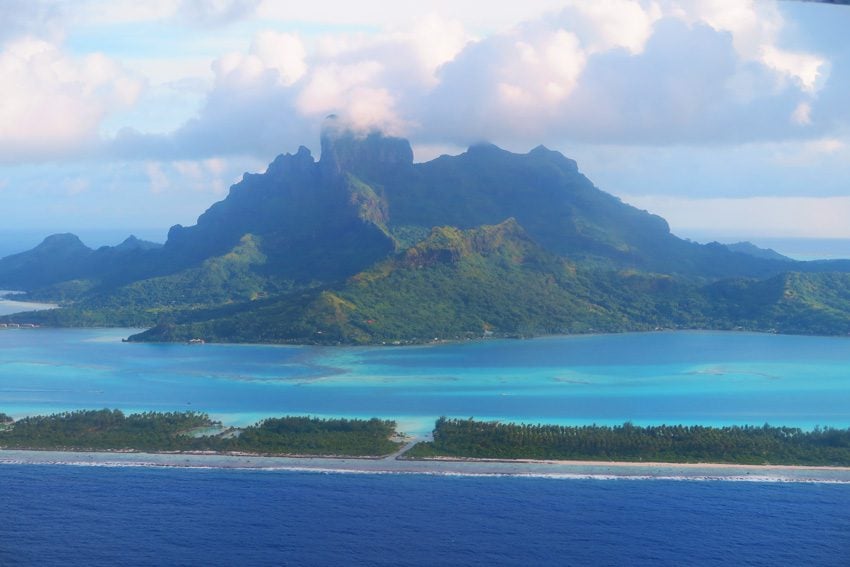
x=366, y=246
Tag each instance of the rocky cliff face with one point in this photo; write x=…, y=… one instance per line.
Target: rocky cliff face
x=316, y=222
x=367, y=156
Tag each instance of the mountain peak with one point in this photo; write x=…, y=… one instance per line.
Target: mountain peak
x=62, y=241
x=363, y=154
x=299, y=163
x=486, y=148
x=134, y=243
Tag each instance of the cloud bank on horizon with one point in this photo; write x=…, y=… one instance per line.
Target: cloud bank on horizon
x=145, y=111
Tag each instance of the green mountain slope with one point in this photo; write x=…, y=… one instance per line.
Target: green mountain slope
x=495, y=280
x=453, y=284
x=227, y=279
x=789, y=303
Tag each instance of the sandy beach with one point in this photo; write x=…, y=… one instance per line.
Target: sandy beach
x=391, y=465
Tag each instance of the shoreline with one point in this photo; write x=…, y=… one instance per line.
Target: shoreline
x=601, y=470
x=638, y=464
x=411, y=343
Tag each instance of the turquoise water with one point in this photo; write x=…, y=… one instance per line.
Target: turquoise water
x=671, y=377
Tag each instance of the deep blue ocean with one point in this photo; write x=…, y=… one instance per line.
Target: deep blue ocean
x=64, y=515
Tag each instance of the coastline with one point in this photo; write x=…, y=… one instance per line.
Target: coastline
x=600, y=470
x=405, y=343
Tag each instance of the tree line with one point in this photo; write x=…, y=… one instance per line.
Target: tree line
x=112, y=430
x=664, y=443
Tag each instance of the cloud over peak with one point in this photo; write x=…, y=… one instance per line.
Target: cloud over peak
x=619, y=71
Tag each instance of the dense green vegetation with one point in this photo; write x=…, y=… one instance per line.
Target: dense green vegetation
x=495, y=280
x=105, y=430
x=313, y=436
x=112, y=430
x=665, y=443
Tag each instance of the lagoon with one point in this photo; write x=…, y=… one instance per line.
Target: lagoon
x=711, y=378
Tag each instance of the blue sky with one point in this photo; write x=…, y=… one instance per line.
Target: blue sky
x=727, y=117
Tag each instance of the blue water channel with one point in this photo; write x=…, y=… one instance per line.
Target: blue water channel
x=710, y=378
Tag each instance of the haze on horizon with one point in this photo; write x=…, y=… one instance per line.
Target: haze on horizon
x=727, y=117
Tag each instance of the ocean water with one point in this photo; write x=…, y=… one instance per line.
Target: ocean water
x=651, y=378
x=111, y=515
x=59, y=515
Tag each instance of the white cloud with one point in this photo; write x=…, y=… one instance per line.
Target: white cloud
x=276, y=94
x=211, y=176
x=53, y=103
x=278, y=53
x=809, y=71
x=685, y=86
x=827, y=145
x=480, y=15
x=37, y=18
x=612, y=71
x=283, y=52
x=348, y=88
x=751, y=24
x=802, y=115
x=812, y=153
x=755, y=28
x=610, y=24
x=434, y=40
x=158, y=179
x=198, y=176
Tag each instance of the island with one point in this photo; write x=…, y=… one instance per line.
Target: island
x=750, y=445
x=365, y=246
x=112, y=430
x=453, y=439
